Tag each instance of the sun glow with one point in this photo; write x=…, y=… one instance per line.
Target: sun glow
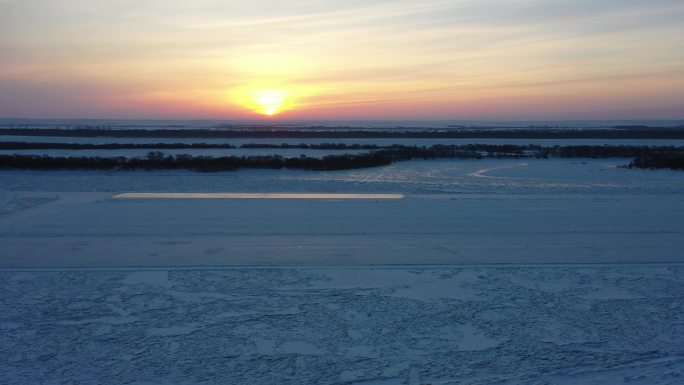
x=269, y=102
x=273, y=98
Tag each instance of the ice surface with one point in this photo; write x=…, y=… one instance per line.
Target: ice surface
x=319, y=310
x=158, y=278
x=307, y=326
x=254, y=196
x=299, y=348
x=453, y=212
x=540, y=176
x=237, y=142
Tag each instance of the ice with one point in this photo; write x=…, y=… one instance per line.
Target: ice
x=57, y=322
x=264, y=346
x=104, y=320
x=508, y=226
x=300, y=348
x=383, y=381
x=602, y=293
x=171, y=331
x=253, y=196
x=362, y=351
x=157, y=278
x=439, y=287
x=484, y=173
x=561, y=271
x=469, y=337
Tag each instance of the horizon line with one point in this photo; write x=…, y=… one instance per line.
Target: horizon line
x=276, y=120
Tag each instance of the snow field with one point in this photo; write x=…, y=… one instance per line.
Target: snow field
x=407, y=325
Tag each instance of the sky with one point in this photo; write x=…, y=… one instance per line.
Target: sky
x=370, y=59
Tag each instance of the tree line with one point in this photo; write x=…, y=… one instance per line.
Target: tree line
x=437, y=150
x=14, y=145
x=645, y=157
x=315, y=146
x=159, y=161
x=673, y=162
x=107, y=146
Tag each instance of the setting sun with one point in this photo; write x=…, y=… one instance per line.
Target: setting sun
x=269, y=102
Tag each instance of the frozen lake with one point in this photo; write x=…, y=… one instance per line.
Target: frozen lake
x=454, y=212
x=377, y=141
x=475, y=325
x=558, y=271
x=288, y=152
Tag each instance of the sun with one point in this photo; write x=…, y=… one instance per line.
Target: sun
x=269, y=102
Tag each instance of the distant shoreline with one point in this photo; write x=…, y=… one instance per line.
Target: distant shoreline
x=644, y=157
x=624, y=132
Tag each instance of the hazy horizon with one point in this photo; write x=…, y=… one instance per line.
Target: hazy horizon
x=286, y=120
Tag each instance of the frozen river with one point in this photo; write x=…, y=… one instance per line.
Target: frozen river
x=452, y=212
x=479, y=271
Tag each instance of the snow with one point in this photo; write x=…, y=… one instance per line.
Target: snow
x=158, y=278
x=93, y=229
x=556, y=272
x=237, y=142
x=282, y=328
x=299, y=348
x=254, y=196
x=468, y=337
x=441, y=177
x=171, y=331
x=327, y=124
x=482, y=173
x=452, y=212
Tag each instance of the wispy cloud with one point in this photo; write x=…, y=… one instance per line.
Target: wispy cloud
x=332, y=53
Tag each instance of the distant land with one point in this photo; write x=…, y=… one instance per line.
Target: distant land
x=616, y=132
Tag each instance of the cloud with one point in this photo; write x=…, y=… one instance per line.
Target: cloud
x=337, y=53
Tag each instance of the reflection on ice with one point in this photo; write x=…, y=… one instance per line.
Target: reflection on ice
x=254, y=196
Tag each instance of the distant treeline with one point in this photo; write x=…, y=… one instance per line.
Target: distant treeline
x=106, y=146
x=636, y=132
x=118, y=146
x=673, y=162
x=437, y=150
x=645, y=157
x=315, y=146
x=158, y=161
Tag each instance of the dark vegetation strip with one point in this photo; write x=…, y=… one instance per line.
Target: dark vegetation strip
x=315, y=146
x=645, y=157
x=637, y=132
x=118, y=146
x=437, y=150
x=157, y=161
x=673, y=162
x=106, y=146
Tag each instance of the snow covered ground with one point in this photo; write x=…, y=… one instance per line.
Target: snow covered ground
x=488, y=211
x=496, y=176
x=377, y=141
x=409, y=325
x=487, y=271
x=94, y=229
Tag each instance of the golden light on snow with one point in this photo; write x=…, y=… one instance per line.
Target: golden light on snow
x=254, y=196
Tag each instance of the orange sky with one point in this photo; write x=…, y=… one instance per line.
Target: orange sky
x=354, y=59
